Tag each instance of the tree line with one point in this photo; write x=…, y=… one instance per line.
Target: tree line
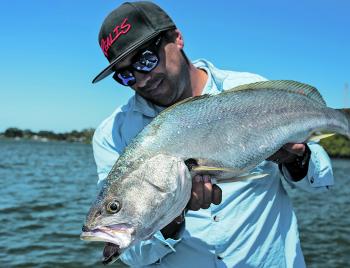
x=336, y=146
x=73, y=136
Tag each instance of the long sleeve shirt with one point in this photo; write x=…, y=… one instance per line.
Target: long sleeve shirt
x=254, y=226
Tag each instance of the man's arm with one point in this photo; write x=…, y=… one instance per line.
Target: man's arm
x=306, y=166
x=295, y=157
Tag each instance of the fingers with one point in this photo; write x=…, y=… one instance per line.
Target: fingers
x=197, y=193
x=295, y=148
x=217, y=195
x=281, y=156
x=207, y=192
x=204, y=193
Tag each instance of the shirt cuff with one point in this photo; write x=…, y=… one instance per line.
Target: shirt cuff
x=320, y=174
x=167, y=242
x=150, y=251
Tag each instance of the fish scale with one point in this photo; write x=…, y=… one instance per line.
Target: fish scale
x=266, y=119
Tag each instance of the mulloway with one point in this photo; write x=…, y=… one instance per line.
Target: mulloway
x=225, y=135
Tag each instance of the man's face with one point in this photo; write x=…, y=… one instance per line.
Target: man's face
x=169, y=82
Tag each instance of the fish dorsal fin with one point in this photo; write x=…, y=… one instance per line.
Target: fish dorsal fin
x=286, y=85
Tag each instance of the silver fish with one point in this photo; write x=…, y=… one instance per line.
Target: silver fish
x=225, y=135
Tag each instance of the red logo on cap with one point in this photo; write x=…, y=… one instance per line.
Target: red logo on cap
x=123, y=28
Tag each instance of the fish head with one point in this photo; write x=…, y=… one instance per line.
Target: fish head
x=138, y=203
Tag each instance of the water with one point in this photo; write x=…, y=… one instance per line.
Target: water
x=45, y=192
x=324, y=221
x=47, y=188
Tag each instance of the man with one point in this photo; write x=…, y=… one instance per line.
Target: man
x=240, y=224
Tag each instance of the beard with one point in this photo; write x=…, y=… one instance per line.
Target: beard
x=179, y=85
x=174, y=86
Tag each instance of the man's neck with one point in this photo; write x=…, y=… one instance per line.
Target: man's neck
x=198, y=80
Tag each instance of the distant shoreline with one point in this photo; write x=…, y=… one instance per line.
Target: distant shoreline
x=336, y=146
x=84, y=136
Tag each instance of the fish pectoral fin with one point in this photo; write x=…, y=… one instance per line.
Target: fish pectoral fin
x=211, y=169
x=245, y=177
x=225, y=175
x=317, y=137
x=214, y=171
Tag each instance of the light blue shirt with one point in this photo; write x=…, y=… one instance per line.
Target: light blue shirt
x=254, y=226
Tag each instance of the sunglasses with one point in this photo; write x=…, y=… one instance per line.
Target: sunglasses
x=144, y=62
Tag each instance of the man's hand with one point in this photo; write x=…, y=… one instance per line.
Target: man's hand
x=288, y=153
x=204, y=193
x=295, y=157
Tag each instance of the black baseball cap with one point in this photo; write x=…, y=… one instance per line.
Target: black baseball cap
x=127, y=28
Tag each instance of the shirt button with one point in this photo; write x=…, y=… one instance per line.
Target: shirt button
x=216, y=218
x=219, y=258
x=312, y=180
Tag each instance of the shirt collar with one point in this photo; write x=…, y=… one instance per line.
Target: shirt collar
x=215, y=76
x=145, y=107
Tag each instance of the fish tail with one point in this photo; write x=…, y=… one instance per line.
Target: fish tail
x=346, y=113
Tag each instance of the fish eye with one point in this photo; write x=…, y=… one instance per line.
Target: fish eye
x=113, y=206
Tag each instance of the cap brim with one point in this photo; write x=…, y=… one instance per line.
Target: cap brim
x=108, y=70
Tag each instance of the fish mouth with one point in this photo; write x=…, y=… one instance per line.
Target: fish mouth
x=117, y=238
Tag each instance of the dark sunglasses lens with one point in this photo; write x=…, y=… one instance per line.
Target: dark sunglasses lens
x=146, y=62
x=125, y=78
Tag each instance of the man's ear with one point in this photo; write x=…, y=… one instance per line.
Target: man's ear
x=179, y=39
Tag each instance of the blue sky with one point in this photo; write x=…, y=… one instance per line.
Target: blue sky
x=49, y=52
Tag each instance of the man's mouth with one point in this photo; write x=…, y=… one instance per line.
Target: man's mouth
x=151, y=85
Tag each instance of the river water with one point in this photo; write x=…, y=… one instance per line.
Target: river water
x=46, y=190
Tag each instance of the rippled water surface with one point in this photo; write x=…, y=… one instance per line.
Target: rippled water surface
x=46, y=190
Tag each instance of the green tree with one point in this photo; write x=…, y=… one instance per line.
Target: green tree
x=13, y=133
x=337, y=146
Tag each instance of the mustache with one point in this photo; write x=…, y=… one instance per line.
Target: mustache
x=150, y=83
